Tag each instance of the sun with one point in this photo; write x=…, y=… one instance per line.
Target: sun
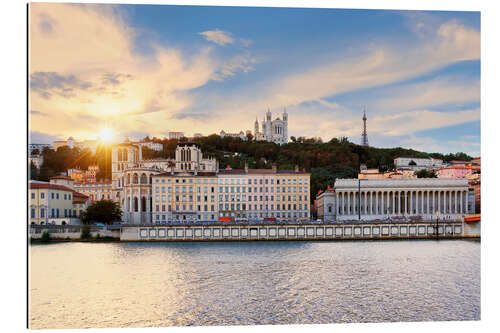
x=106, y=134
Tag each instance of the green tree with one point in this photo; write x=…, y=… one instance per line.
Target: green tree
x=424, y=173
x=33, y=171
x=105, y=211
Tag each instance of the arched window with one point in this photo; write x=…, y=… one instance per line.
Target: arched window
x=63, y=223
x=120, y=155
x=135, y=179
x=136, y=204
x=144, y=179
x=143, y=204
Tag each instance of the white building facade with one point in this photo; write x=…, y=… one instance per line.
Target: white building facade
x=240, y=135
x=272, y=130
x=417, y=164
x=393, y=198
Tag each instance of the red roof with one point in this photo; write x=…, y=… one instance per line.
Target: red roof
x=61, y=177
x=34, y=186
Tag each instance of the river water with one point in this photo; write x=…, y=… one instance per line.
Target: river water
x=79, y=285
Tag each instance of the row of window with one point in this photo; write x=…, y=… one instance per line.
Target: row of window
x=163, y=218
x=228, y=198
x=185, y=189
x=227, y=207
x=200, y=208
x=261, y=181
x=54, y=213
x=183, y=180
x=52, y=196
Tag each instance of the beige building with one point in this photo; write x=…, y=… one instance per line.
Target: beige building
x=184, y=196
x=95, y=190
x=49, y=203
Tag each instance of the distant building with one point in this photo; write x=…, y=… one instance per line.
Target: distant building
x=417, y=164
x=38, y=146
x=175, y=135
x=456, y=171
x=240, y=135
x=71, y=143
x=151, y=145
x=197, y=135
x=84, y=176
x=397, y=174
x=37, y=160
x=272, y=130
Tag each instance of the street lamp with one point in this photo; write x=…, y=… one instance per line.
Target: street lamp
x=437, y=224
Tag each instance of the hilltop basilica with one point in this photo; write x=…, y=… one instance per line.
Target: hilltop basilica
x=272, y=130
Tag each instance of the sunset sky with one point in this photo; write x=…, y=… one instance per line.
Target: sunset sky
x=146, y=70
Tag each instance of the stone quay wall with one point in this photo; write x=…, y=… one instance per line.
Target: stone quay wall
x=362, y=231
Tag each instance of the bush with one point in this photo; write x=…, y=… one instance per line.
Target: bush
x=85, y=232
x=45, y=237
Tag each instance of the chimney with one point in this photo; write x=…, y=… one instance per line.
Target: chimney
x=246, y=167
x=296, y=168
x=274, y=168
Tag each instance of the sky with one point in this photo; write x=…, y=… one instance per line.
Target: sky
x=150, y=69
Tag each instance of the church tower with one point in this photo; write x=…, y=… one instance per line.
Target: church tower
x=285, y=126
x=256, y=128
x=364, y=135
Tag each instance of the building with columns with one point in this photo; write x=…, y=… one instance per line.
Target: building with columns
x=395, y=198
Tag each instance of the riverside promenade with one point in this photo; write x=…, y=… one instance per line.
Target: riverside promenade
x=268, y=232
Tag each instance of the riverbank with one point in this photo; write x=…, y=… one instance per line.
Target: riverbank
x=338, y=231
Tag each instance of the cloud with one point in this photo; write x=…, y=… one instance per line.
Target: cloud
x=217, y=36
x=82, y=61
x=241, y=62
x=115, y=79
x=432, y=93
x=38, y=113
x=48, y=83
x=39, y=137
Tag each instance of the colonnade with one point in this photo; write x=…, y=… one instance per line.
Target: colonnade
x=401, y=202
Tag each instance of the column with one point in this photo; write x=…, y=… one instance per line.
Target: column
x=439, y=201
x=371, y=202
x=461, y=202
x=354, y=203
x=393, y=202
x=406, y=203
x=376, y=203
x=411, y=202
x=348, y=203
x=455, y=210
x=450, y=209
x=342, y=203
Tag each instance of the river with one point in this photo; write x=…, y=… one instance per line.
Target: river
x=80, y=285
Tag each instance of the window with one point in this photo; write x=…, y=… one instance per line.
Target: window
x=52, y=195
x=32, y=212
x=42, y=212
x=42, y=195
x=57, y=196
x=33, y=195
